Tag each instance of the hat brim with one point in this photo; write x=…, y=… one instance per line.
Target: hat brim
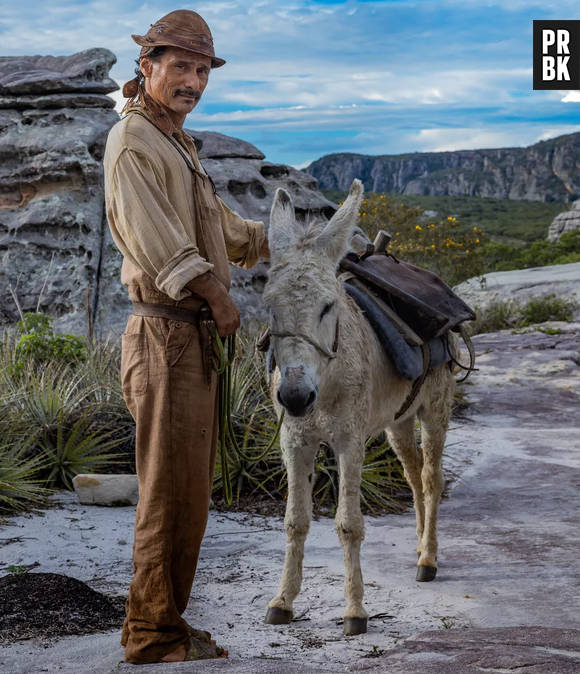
x=144, y=41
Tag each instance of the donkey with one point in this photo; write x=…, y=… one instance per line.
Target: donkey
x=336, y=385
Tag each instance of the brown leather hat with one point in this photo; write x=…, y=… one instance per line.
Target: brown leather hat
x=182, y=28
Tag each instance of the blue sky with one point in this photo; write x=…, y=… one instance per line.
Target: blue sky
x=306, y=78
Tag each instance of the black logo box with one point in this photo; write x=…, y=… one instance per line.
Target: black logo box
x=572, y=65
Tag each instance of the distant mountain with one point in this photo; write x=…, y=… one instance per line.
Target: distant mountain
x=546, y=171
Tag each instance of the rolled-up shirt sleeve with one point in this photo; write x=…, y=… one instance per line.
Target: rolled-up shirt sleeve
x=146, y=227
x=243, y=238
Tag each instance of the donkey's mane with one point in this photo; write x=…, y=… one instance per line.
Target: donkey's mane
x=312, y=227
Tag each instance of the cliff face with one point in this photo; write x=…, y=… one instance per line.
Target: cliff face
x=54, y=120
x=547, y=171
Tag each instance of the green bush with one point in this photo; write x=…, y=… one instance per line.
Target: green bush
x=508, y=314
x=501, y=257
x=550, y=307
x=38, y=342
x=495, y=317
x=439, y=246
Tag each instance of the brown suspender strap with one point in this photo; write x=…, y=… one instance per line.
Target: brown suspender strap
x=166, y=311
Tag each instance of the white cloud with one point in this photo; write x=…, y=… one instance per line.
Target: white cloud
x=443, y=140
x=555, y=131
x=572, y=97
x=303, y=164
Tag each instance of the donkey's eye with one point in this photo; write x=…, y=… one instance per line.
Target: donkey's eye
x=326, y=309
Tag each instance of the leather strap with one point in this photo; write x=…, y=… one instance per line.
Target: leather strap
x=418, y=383
x=166, y=311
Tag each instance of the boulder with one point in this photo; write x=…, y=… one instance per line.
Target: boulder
x=210, y=144
x=86, y=72
x=521, y=284
x=565, y=222
x=107, y=490
x=57, y=101
x=52, y=217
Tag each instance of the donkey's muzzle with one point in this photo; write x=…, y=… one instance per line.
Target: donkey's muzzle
x=298, y=399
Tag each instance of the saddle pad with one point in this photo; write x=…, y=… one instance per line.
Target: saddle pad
x=407, y=359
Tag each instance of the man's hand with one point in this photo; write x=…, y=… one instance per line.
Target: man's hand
x=224, y=310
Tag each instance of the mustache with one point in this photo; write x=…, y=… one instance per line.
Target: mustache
x=188, y=92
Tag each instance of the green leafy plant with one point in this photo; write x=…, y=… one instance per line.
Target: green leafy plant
x=509, y=314
x=38, y=342
x=503, y=257
x=549, y=307
x=494, y=317
x=17, y=568
x=383, y=484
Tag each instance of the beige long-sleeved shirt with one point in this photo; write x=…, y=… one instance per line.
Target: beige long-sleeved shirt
x=151, y=212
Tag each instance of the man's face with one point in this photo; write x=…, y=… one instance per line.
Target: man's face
x=177, y=78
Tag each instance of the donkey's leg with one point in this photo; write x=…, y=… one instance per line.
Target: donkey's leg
x=434, y=421
x=350, y=528
x=402, y=438
x=299, y=456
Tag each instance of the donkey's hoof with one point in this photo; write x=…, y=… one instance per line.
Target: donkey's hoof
x=354, y=626
x=278, y=616
x=425, y=574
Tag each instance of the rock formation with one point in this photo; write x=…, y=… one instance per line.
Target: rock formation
x=565, y=222
x=547, y=171
x=54, y=120
x=521, y=285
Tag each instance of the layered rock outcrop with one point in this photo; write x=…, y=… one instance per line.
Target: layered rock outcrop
x=54, y=240
x=54, y=122
x=521, y=285
x=565, y=222
x=548, y=171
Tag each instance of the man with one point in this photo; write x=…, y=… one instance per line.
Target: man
x=176, y=236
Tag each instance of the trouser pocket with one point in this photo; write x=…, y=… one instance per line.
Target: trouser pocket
x=178, y=338
x=134, y=364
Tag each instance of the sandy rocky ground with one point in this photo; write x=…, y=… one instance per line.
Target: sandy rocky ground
x=507, y=594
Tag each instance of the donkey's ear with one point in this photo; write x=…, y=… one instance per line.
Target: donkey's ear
x=336, y=235
x=283, y=227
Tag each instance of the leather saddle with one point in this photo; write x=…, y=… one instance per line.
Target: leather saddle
x=410, y=309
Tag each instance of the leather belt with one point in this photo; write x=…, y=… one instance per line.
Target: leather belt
x=167, y=311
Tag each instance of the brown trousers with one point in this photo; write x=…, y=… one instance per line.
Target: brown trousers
x=176, y=419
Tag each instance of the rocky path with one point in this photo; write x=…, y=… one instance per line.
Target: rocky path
x=505, y=600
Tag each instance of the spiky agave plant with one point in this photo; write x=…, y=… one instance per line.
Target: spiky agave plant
x=77, y=448
x=254, y=422
x=21, y=488
x=383, y=484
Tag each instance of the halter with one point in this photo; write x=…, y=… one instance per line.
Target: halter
x=323, y=350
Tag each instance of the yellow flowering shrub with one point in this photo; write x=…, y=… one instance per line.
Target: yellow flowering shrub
x=434, y=245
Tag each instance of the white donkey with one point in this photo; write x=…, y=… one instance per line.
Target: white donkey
x=338, y=386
